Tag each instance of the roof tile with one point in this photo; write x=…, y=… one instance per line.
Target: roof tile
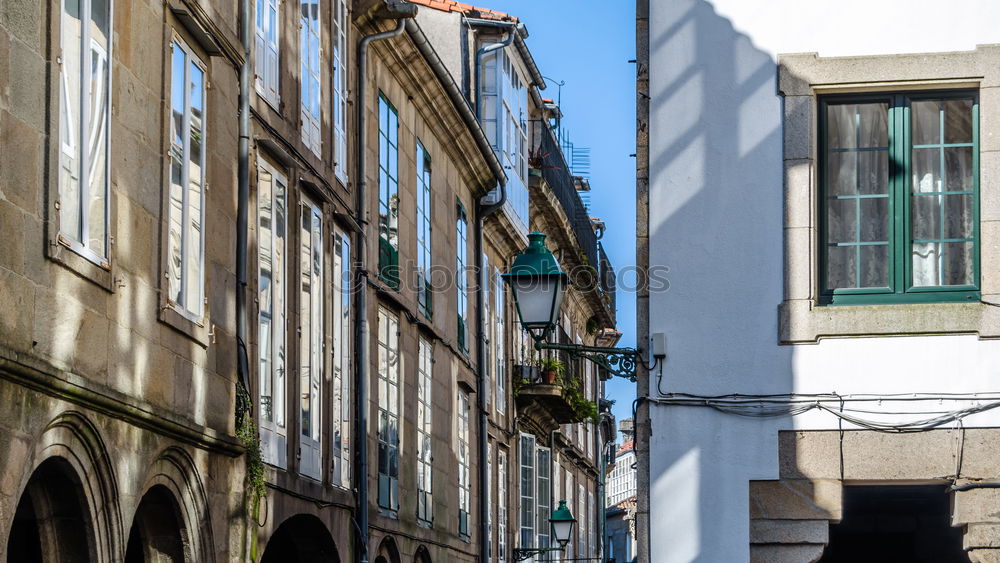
x=466, y=9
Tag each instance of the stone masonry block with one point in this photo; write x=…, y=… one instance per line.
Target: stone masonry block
x=789, y=531
x=809, y=455
x=795, y=500
x=785, y=553
x=984, y=556
x=981, y=535
x=975, y=506
x=880, y=456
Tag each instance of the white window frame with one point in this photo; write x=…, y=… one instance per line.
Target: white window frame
x=489, y=501
x=272, y=313
x=425, y=431
x=389, y=399
x=462, y=409
x=340, y=88
x=526, y=488
x=77, y=135
x=502, y=478
x=311, y=337
x=462, y=275
x=340, y=466
x=500, y=375
x=543, y=496
x=581, y=506
x=504, y=116
x=425, y=227
x=191, y=301
x=310, y=75
x=267, y=51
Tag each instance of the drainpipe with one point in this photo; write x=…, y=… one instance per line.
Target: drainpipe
x=483, y=51
x=396, y=10
x=242, y=212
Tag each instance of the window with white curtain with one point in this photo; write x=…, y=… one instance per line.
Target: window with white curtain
x=899, y=192
x=272, y=261
x=309, y=73
x=502, y=476
x=186, y=194
x=500, y=339
x=84, y=133
x=527, y=490
x=267, y=33
x=543, y=496
x=311, y=336
x=339, y=41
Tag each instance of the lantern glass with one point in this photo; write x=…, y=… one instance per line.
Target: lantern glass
x=538, y=298
x=562, y=522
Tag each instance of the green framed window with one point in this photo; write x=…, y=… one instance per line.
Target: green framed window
x=388, y=192
x=899, y=198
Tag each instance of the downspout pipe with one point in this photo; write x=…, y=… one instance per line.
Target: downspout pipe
x=242, y=219
x=399, y=11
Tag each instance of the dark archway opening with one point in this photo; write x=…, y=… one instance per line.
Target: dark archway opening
x=422, y=556
x=895, y=523
x=301, y=539
x=51, y=522
x=157, y=534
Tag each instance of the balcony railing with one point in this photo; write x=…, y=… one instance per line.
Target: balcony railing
x=548, y=158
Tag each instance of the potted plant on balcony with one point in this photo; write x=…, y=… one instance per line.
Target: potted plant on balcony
x=551, y=369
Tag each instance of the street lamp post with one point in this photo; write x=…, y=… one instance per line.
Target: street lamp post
x=562, y=522
x=538, y=285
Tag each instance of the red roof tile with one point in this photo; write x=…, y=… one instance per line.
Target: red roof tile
x=625, y=447
x=468, y=10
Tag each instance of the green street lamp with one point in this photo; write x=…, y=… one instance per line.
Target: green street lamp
x=561, y=522
x=538, y=285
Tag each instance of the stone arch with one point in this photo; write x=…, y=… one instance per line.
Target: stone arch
x=387, y=551
x=71, y=448
x=423, y=555
x=158, y=534
x=174, y=471
x=303, y=538
x=52, y=521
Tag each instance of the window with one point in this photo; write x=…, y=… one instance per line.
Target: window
x=569, y=553
x=186, y=204
x=581, y=509
x=388, y=193
x=461, y=276
x=341, y=408
x=500, y=338
x=543, y=486
x=464, y=472
x=527, y=490
x=388, y=410
x=266, y=49
x=900, y=189
x=503, y=114
x=489, y=502
x=591, y=528
x=340, y=89
x=483, y=281
x=84, y=99
x=502, y=505
x=425, y=432
x=310, y=336
x=424, y=294
x=309, y=73
x=272, y=224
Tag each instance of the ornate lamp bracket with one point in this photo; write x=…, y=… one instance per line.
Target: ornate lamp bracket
x=620, y=362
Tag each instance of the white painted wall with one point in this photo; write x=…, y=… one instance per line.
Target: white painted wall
x=716, y=222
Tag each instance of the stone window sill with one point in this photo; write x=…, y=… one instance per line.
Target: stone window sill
x=803, y=321
x=181, y=322
x=100, y=274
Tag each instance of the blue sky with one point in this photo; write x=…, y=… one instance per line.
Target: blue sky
x=587, y=44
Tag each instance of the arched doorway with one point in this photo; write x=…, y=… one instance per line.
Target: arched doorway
x=51, y=522
x=301, y=539
x=157, y=534
x=387, y=551
x=422, y=556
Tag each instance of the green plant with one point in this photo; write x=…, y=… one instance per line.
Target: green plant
x=552, y=364
x=248, y=435
x=583, y=409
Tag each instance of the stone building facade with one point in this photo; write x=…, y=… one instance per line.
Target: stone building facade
x=132, y=398
x=824, y=203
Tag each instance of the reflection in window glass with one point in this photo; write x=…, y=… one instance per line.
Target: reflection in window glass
x=83, y=126
x=186, y=193
x=425, y=432
x=341, y=408
x=388, y=410
x=310, y=336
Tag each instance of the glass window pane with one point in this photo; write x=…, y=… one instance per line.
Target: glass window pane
x=925, y=119
x=873, y=172
x=841, y=267
x=925, y=217
x=97, y=144
x=958, y=168
x=875, y=266
x=841, y=220
x=957, y=267
x=926, y=262
x=872, y=120
x=842, y=173
x=175, y=230
x=958, y=121
x=958, y=218
x=926, y=165
x=874, y=219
